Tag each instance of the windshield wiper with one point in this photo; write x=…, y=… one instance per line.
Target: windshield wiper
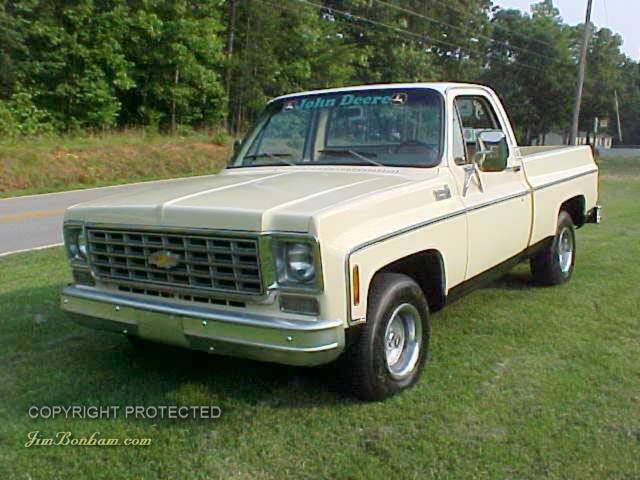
x=273, y=156
x=353, y=153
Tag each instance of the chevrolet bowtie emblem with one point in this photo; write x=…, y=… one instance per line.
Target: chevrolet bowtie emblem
x=164, y=259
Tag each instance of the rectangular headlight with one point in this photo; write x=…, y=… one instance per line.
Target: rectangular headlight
x=75, y=243
x=297, y=263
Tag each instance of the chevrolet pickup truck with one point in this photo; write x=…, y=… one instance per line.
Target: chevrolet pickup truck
x=345, y=218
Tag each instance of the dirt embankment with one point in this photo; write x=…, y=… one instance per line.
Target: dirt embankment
x=44, y=168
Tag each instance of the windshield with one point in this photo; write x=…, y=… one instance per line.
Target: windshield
x=369, y=127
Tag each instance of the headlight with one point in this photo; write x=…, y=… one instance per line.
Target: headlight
x=75, y=243
x=297, y=263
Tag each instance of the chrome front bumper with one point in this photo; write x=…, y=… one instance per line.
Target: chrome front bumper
x=267, y=338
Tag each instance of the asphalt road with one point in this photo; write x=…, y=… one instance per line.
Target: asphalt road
x=35, y=221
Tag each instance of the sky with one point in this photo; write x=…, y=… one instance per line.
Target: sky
x=621, y=16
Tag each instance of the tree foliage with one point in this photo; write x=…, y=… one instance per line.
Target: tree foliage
x=531, y=67
x=68, y=65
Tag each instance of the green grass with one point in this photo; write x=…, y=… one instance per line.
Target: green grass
x=523, y=382
x=58, y=163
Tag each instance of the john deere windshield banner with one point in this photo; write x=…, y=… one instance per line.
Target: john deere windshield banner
x=346, y=100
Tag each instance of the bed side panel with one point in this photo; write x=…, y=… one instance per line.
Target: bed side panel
x=555, y=177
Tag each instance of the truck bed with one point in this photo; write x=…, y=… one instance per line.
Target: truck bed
x=558, y=172
x=528, y=151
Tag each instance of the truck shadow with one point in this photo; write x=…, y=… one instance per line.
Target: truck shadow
x=72, y=365
x=49, y=353
x=517, y=279
x=239, y=380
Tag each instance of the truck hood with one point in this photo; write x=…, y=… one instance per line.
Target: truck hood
x=250, y=199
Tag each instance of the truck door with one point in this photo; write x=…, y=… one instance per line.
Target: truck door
x=491, y=181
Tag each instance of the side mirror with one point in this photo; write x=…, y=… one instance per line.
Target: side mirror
x=492, y=136
x=493, y=153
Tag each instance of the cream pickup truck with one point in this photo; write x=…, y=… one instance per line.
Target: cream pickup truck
x=345, y=218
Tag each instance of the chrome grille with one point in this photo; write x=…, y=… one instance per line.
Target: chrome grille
x=216, y=263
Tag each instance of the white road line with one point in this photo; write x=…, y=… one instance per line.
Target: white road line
x=43, y=247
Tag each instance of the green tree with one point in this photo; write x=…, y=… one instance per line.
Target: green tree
x=82, y=64
x=285, y=47
x=70, y=60
x=629, y=95
x=531, y=67
x=603, y=77
x=176, y=52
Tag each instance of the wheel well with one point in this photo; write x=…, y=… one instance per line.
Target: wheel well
x=575, y=207
x=427, y=269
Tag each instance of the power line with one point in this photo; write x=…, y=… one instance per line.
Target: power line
x=355, y=25
x=381, y=24
x=421, y=37
x=497, y=27
x=477, y=35
x=399, y=32
x=606, y=11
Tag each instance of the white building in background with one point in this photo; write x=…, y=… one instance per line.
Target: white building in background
x=602, y=140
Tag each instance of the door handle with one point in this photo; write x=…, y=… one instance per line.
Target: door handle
x=443, y=193
x=515, y=168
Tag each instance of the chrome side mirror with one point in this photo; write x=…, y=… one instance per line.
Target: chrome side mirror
x=494, y=151
x=492, y=137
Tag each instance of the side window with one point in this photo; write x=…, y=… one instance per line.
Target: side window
x=485, y=141
x=459, y=149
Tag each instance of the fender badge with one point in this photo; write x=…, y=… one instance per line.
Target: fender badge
x=164, y=259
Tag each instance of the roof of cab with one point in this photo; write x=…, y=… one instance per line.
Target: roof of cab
x=441, y=87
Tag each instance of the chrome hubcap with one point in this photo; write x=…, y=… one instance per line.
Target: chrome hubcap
x=403, y=340
x=565, y=249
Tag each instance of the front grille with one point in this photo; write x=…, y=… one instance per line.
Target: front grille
x=180, y=296
x=203, y=262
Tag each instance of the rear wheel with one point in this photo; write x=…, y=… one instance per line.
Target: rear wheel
x=391, y=350
x=554, y=265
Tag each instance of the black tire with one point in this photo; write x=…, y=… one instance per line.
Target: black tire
x=370, y=375
x=547, y=267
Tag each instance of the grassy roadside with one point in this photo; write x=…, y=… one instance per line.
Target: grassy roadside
x=51, y=164
x=523, y=382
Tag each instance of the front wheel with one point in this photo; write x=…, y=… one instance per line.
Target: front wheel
x=554, y=265
x=391, y=349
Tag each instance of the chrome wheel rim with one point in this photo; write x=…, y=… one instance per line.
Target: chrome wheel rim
x=565, y=249
x=403, y=340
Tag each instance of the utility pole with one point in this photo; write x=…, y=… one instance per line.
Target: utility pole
x=615, y=92
x=582, y=64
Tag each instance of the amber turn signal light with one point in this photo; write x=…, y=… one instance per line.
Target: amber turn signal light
x=355, y=278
